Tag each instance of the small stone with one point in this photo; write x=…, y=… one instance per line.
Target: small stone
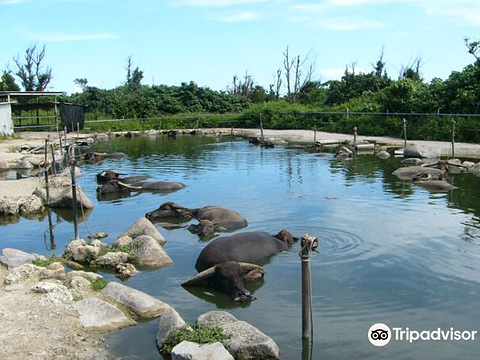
x=126, y=270
x=468, y=164
x=23, y=164
x=43, y=287
x=112, y=259
x=91, y=276
x=9, y=206
x=187, y=350
x=122, y=241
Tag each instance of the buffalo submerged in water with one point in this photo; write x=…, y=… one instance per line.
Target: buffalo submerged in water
x=227, y=262
x=211, y=218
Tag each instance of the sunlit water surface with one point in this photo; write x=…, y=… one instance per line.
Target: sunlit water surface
x=390, y=252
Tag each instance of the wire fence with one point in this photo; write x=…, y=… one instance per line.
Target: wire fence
x=420, y=126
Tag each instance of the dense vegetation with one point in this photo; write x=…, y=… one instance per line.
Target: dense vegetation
x=331, y=106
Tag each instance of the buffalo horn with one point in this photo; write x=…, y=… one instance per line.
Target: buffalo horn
x=129, y=186
x=205, y=274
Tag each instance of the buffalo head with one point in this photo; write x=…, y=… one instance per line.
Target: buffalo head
x=228, y=277
x=107, y=175
x=205, y=228
x=169, y=210
x=286, y=237
x=116, y=186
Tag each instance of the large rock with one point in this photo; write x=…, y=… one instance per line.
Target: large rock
x=98, y=315
x=9, y=206
x=31, y=204
x=23, y=273
x=422, y=151
x=169, y=321
x=143, y=226
x=64, y=199
x=382, y=154
x=23, y=164
x=187, y=350
x=13, y=258
x=244, y=340
x=148, y=252
x=142, y=304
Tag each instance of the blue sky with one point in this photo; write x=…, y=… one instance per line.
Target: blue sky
x=208, y=41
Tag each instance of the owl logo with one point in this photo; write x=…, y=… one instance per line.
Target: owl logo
x=379, y=334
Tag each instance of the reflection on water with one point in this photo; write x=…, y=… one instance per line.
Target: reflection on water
x=390, y=252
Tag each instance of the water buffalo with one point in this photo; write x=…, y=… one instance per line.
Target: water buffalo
x=227, y=262
x=211, y=218
x=119, y=186
x=433, y=182
x=408, y=172
x=109, y=175
x=344, y=153
x=94, y=156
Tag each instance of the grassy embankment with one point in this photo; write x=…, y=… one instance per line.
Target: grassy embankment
x=279, y=115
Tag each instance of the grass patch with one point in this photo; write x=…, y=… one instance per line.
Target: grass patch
x=200, y=335
x=43, y=262
x=99, y=284
x=125, y=248
x=77, y=298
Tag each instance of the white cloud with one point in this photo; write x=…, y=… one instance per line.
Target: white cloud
x=466, y=12
x=337, y=73
x=57, y=37
x=215, y=3
x=345, y=24
x=9, y=2
x=239, y=17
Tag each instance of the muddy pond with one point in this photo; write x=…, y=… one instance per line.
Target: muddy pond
x=390, y=252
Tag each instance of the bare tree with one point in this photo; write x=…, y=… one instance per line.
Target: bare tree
x=31, y=73
x=288, y=65
x=473, y=48
x=411, y=70
x=278, y=84
x=242, y=88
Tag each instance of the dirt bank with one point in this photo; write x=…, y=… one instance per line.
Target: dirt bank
x=37, y=327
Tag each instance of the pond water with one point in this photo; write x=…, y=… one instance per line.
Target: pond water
x=390, y=252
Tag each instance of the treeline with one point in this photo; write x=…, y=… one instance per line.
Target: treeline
x=289, y=101
x=134, y=101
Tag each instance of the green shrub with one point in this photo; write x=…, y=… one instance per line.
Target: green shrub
x=99, y=284
x=43, y=262
x=200, y=335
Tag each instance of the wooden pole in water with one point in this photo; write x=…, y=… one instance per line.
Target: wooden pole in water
x=355, y=137
x=453, y=138
x=78, y=130
x=74, y=194
x=405, y=133
x=53, y=158
x=231, y=131
x=308, y=243
x=261, y=128
x=47, y=189
x=314, y=135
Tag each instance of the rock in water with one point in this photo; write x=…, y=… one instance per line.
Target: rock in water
x=169, y=321
x=187, y=350
x=143, y=226
x=148, y=252
x=13, y=258
x=245, y=341
x=142, y=304
x=96, y=314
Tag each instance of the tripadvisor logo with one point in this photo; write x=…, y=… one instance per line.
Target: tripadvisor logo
x=380, y=335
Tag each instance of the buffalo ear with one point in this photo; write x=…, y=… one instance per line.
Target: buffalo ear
x=219, y=228
x=252, y=275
